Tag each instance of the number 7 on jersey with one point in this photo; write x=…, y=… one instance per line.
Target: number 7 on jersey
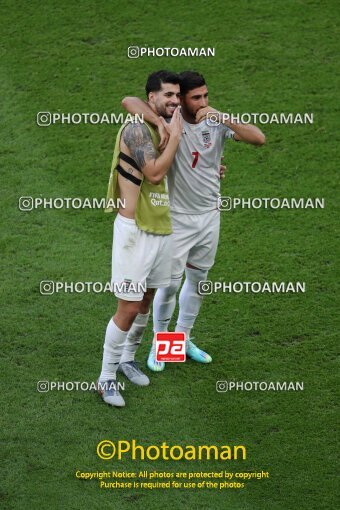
x=196, y=156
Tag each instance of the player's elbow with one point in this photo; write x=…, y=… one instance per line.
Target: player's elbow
x=260, y=140
x=125, y=102
x=155, y=179
x=153, y=172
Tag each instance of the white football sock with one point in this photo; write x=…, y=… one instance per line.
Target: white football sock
x=183, y=329
x=189, y=300
x=134, y=337
x=164, y=305
x=113, y=347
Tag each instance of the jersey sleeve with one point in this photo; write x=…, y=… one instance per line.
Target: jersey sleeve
x=228, y=133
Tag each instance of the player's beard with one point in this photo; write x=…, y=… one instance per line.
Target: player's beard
x=189, y=113
x=162, y=110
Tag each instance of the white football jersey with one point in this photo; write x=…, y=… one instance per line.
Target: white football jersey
x=194, y=177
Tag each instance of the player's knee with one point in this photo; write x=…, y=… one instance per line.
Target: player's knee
x=171, y=291
x=146, y=302
x=126, y=313
x=128, y=310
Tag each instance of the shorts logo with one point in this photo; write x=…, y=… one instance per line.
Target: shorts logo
x=170, y=347
x=127, y=284
x=206, y=139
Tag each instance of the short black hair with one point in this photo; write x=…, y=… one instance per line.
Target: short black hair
x=155, y=80
x=191, y=80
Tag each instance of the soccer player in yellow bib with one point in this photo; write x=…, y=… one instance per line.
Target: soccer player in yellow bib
x=141, y=253
x=194, y=186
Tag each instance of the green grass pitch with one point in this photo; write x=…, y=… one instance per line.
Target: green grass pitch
x=71, y=56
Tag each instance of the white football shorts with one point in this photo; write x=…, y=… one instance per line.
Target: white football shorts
x=194, y=240
x=139, y=260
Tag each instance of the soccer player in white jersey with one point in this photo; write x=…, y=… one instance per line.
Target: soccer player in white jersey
x=194, y=186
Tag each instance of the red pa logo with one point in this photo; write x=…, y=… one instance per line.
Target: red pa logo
x=170, y=347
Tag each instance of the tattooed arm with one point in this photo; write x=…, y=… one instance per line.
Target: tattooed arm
x=138, y=139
